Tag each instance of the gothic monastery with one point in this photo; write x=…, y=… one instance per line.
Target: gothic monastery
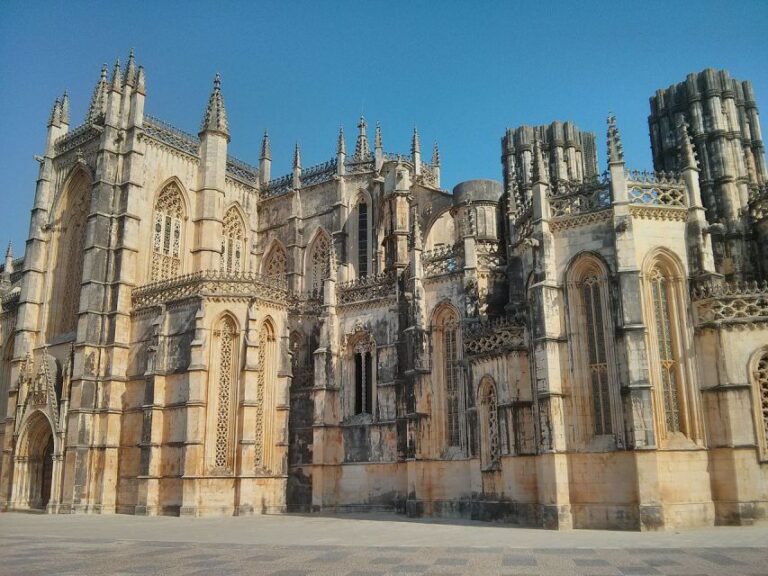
x=572, y=346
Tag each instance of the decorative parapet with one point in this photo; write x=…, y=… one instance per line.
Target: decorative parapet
x=319, y=173
x=211, y=283
x=729, y=304
x=242, y=171
x=278, y=186
x=495, y=337
x=489, y=254
x=367, y=288
x=77, y=137
x=442, y=260
x=662, y=190
x=10, y=300
x=569, y=199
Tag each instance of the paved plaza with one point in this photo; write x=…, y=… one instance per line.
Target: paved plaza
x=360, y=545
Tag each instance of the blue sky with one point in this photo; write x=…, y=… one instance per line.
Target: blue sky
x=461, y=71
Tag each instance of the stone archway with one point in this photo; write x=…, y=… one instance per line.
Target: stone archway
x=33, y=474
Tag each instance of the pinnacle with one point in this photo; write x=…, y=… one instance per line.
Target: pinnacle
x=415, y=142
x=9, y=251
x=615, y=148
x=117, y=80
x=130, y=70
x=266, y=151
x=540, y=172
x=99, y=98
x=687, y=152
x=362, y=150
x=435, y=155
x=215, y=119
x=341, y=147
x=65, y=108
x=55, y=117
x=297, y=157
x=377, y=142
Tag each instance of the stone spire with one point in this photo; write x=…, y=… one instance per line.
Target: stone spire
x=540, y=171
x=130, y=71
x=99, y=98
x=341, y=146
x=55, y=117
x=435, y=155
x=140, y=82
x=215, y=119
x=65, y=108
x=362, y=150
x=377, y=142
x=266, y=150
x=9, y=251
x=297, y=157
x=687, y=153
x=117, y=78
x=615, y=149
x=415, y=143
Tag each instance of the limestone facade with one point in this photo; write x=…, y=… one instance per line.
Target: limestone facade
x=566, y=348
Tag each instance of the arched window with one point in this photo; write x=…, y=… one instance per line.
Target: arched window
x=317, y=268
x=760, y=383
x=232, y=241
x=362, y=236
x=225, y=393
x=595, y=372
x=490, y=453
x=67, y=275
x=168, y=234
x=448, y=374
x=265, y=388
x=665, y=314
x=276, y=263
x=363, y=353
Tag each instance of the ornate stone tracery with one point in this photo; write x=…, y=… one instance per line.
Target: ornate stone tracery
x=167, y=234
x=226, y=392
x=489, y=422
x=318, y=262
x=232, y=242
x=276, y=264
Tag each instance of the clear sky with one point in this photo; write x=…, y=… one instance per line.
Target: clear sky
x=461, y=71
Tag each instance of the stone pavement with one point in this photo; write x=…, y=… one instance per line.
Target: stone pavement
x=361, y=545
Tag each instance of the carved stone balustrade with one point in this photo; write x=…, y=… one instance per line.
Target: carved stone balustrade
x=494, y=337
x=367, y=288
x=730, y=304
x=442, y=260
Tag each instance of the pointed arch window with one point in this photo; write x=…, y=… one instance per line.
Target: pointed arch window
x=448, y=344
x=277, y=263
x=225, y=399
x=318, y=262
x=760, y=383
x=168, y=234
x=232, y=242
x=363, y=240
x=669, y=365
x=364, y=374
x=592, y=302
x=72, y=220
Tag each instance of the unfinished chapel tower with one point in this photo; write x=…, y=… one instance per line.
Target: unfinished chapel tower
x=575, y=345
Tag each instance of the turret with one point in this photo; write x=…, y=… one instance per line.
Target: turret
x=214, y=137
x=265, y=160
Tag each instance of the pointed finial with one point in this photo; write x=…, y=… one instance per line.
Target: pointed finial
x=117, y=77
x=377, y=142
x=9, y=251
x=65, y=108
x=55, y=118
x=415, y=142
x=435, y=155
x=215, y=119
x=615, y=148
x=297, y=157
x=341, y=145
x=130, y=70
x=362, y=150
x=99, y=98
x=687, y=152
x=266, y=150
x=540, y=172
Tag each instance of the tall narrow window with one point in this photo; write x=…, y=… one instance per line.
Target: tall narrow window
x=760, y=377
x=363, y=381
x=168, y=234
x=448, y=376
x=226, y=391
x=362, y=239
x=276, y=264
x=264, y=391
x=451, y=384
x=490, y=453
x=318, y=262
x=232, y=242
x=668, y=360
x=598, y=363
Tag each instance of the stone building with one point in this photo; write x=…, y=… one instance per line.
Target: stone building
x=569, y=348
